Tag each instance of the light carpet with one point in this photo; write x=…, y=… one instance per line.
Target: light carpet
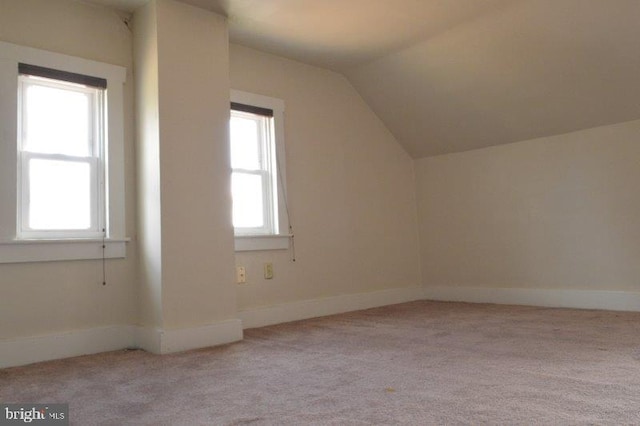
x=419, y=363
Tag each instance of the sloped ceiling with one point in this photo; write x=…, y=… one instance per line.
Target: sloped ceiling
x=454, y=75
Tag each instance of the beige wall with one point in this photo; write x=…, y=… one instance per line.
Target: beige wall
x=558, y=212
x=561, y=212
x=43, y=298
x=149, y=205
x=195, y=175
x=350, y=189
x=350, y=184
x=187, y=262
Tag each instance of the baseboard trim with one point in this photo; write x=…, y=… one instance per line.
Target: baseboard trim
x=148, y=338
x=580, y=299
x=27, y=350
x=286, y=312
x=168, y=341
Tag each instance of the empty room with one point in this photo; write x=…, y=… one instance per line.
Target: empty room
x=336, y=212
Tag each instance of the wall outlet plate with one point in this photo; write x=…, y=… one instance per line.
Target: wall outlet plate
x=268, y=271
x=241, y=275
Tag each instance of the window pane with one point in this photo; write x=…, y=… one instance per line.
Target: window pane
x=57, y=121
x=247, y=200
x=245, y=143
x=60, y=195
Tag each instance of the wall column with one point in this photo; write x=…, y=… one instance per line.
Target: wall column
x=187, y=292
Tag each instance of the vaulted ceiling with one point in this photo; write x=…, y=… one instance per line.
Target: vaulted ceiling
x=454, y=75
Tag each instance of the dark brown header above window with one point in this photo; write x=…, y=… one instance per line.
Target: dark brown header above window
x=252, y=109
x=71, y=77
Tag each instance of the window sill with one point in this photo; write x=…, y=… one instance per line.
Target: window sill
x=20, y=251
x=262, y=242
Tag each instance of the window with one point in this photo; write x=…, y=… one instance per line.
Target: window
x=253, y=179
x=260, y=217
x=61, y=157
x=60, y=150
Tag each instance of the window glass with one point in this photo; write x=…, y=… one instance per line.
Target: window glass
x=59, y=195
x=248, y=208
x=56, y=121
x=245, y=149
x=252, y=185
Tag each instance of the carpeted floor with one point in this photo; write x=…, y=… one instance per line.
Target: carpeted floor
x=418, y=363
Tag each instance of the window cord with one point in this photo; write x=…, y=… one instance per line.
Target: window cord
x=104, y=258
x=286, y=208
x=293, y=245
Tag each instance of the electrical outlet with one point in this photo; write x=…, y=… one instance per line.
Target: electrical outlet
x=268, y=271
x=241, y=275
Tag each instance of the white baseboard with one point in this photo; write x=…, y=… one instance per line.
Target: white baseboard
x=581, y=299
x=27, y=350
x=149, y=339
x=286, y=312
x=168, y=341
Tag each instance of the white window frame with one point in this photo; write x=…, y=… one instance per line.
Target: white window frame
x=275, y=234
x=95, y=161
x=266, y=172
x=19, y=246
